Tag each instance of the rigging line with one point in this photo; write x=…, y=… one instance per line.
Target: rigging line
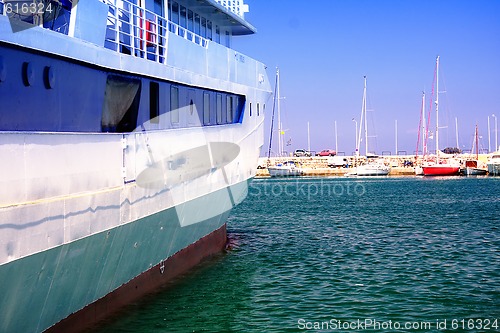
x=431, y=100
x=272, y=121
x=422, y=106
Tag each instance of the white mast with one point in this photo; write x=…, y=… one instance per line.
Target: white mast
x=280, y=129
x=336, y=142
x=363, y=116
x=437, y=109
x=396, y=135
x=308, y=139
x=424, y=148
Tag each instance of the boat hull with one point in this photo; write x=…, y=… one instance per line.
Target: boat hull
x=366, y=170
x=55, y=283
x=146, y=283
x=285, y=172
x=441, y=170
x=494, y=169
x=471, y=171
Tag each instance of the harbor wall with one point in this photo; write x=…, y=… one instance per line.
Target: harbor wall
x=401, y=165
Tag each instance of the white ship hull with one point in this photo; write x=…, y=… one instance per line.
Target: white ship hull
x=93, y=206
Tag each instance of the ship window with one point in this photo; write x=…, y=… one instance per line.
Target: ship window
x=258, y=111
x=206, y=108
x=197, y=24
x=154, y=102
x=250, y=108
x=219, y=108
x=190, y=21
x=209, y=30
x=183, y=17
x=228, y=39
x=174, y=105
x=203, y=27
x=229, y=109
x=174, y=16
x=121, y=104
x=217, y=34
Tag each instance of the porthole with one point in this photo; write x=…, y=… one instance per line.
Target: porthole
x=28, y=74
x=49, y=78
x=3, y=70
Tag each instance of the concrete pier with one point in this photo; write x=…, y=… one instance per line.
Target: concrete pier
x=401, y=165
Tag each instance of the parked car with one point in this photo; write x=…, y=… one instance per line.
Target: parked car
x=337, y=161
x=327, y=152
x=301, y=152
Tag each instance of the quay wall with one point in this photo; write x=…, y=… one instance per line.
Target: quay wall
x=318, y=166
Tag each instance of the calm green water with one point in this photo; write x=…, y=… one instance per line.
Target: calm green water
x=344, y=255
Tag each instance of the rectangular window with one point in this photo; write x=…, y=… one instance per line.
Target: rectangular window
x=206, y=108
x=197, y=23
x=229, y=109
x=154, y=102
x=209, y=30
x=217, y=34
x=203, y=27
x=183, y=17
x=190, y=20
x=174, y=16
x=219, y=108
x=174, y=105
x=258, y=109
x=250, y=108
x=228, y=39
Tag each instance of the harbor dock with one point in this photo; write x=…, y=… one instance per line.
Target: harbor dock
x=401, y=165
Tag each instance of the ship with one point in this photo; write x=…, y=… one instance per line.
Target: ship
x=129, y=129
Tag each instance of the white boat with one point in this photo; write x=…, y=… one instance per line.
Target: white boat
x=494, y=164
x=374, y=166
x=373, y=169
x=285, y=169
x=473, y=166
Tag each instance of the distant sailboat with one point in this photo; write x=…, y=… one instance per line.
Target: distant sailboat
x=439, y=167
x=472, y=166
x=374, y=166
x=287, y=168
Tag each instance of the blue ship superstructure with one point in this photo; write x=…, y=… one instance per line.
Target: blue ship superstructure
x=128, y=131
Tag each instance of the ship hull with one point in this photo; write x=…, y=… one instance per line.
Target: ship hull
x=494, y=169
x=121, y=166
x=144, y=284
x=367, y=170
x=441, y=170
x=285, y=172
x=91, y=277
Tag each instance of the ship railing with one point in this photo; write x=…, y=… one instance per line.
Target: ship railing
x=137, y=31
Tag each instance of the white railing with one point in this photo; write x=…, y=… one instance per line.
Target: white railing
x=139, y=32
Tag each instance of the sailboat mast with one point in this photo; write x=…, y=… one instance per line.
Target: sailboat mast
x=437, y=109
x=363, y=118
x=477, y=145
x=424, y=148
x=280, y=129
x=272, y=122
x=366, y=124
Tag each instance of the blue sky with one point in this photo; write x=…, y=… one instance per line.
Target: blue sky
x=324, y=48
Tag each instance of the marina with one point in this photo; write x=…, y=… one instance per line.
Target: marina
x=399, y=165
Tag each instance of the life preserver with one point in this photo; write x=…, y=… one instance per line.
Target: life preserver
x=150, y=28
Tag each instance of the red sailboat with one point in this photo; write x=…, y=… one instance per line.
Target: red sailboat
x=439, y=167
